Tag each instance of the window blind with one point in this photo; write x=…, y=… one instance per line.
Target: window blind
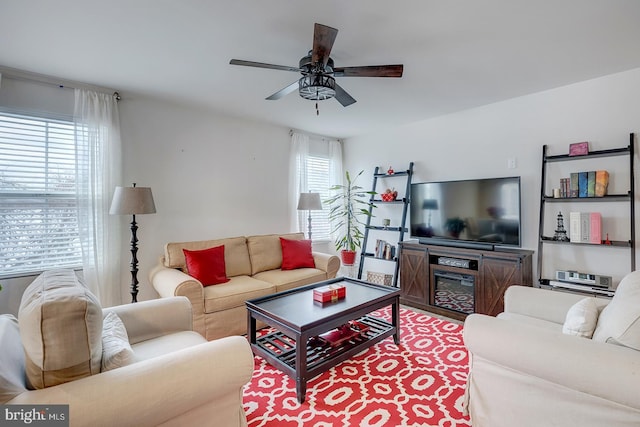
x=38, y=208
x=318, y=182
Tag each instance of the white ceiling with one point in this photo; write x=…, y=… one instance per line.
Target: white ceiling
x=456, y=54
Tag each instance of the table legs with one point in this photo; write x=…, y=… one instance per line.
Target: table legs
x=301, y=367
x=395, y=320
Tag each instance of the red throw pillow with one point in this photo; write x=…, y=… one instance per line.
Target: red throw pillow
x=207, y=265
x=296, y=254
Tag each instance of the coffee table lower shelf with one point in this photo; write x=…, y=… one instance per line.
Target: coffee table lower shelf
x=280, y=349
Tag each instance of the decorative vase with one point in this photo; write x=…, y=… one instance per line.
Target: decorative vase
x=348, y=257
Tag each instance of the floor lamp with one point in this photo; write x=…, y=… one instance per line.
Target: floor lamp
x=309, y=202
x=133, y=201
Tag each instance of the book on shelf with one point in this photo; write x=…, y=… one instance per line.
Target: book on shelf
x=602, y=182
x=574, y=227
x=564, y=187
x=582, y=184
x=588, y=183
x=585, y=227
x=595, y=228
x=591, y=184
x=574, y=192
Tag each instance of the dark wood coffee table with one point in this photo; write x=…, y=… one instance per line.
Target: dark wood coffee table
x=296, y=318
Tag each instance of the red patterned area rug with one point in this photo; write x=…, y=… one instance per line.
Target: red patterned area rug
x=418, y=383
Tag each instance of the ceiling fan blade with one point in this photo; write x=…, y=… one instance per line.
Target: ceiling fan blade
x=343, y=97
x=284, y=91
x=323, y=38
x=263, y=65
x=369, y=71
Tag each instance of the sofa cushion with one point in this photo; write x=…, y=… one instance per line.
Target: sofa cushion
x=12, y=374
x=234, y=293
x=289, y=279
x=207, y=265
x=619, y=322
x=116, y=350
x=61, y=329
x=533, y=321
x=296, y=254
x=265, y=251
x=581, y=318
x=236, y=254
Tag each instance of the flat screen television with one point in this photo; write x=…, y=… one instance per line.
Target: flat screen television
x=475, y=213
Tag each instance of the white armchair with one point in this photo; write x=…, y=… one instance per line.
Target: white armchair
x=178, y=378
x=525, y=371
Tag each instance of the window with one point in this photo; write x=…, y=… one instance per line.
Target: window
x=38, y=208
x=318, y=182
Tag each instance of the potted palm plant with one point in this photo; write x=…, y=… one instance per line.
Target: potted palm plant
x=349, y=203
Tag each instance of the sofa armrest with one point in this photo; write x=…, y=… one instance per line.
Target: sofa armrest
x=327, y=263
x=157, y=390
x=154, y=318
x=605, y=370
x=539, y=303
x=169, y=282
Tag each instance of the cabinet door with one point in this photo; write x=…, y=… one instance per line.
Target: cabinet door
x=497, y=275
x=414, y=276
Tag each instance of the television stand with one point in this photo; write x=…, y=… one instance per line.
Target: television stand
x=455, y=282
x=485, y=246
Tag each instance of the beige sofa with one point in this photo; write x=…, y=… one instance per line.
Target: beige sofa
x=253, y=267
x=525, y=371
x=176, y=377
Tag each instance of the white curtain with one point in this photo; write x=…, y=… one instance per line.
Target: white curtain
x=335, y=169
x=301, y=147
x=98, y=161
x=298, y=178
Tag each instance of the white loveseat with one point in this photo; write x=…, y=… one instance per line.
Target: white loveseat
x=525, y=371
x=175, y=377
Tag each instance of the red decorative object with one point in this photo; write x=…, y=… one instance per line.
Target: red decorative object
x=579, y=149
x=390, y=171
x=337, y=336
x=207, y=265
x=296, y=254
x=348, y=257
x=389, y=195
x=331, y=293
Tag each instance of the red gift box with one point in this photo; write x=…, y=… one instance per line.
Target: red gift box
x=330, y=293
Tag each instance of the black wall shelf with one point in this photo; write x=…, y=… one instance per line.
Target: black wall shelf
x=628, y=198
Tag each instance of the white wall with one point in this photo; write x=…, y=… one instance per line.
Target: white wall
x=477, y=143
x=212, y=176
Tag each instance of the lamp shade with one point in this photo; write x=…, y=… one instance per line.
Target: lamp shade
x=309, y=202
x=430, y=204
x=132, y=201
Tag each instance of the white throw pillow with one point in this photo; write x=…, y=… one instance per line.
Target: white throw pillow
x=619, y=322
x=116, y=350
x=581, y=318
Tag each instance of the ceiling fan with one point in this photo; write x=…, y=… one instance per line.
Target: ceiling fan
x=318, y=71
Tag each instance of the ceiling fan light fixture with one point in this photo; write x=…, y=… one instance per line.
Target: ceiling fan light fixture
x=317, y=87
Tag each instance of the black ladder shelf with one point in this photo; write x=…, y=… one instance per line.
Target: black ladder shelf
x=628, y=197
x=404, y=201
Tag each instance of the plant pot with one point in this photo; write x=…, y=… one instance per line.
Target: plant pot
x=348, y=257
